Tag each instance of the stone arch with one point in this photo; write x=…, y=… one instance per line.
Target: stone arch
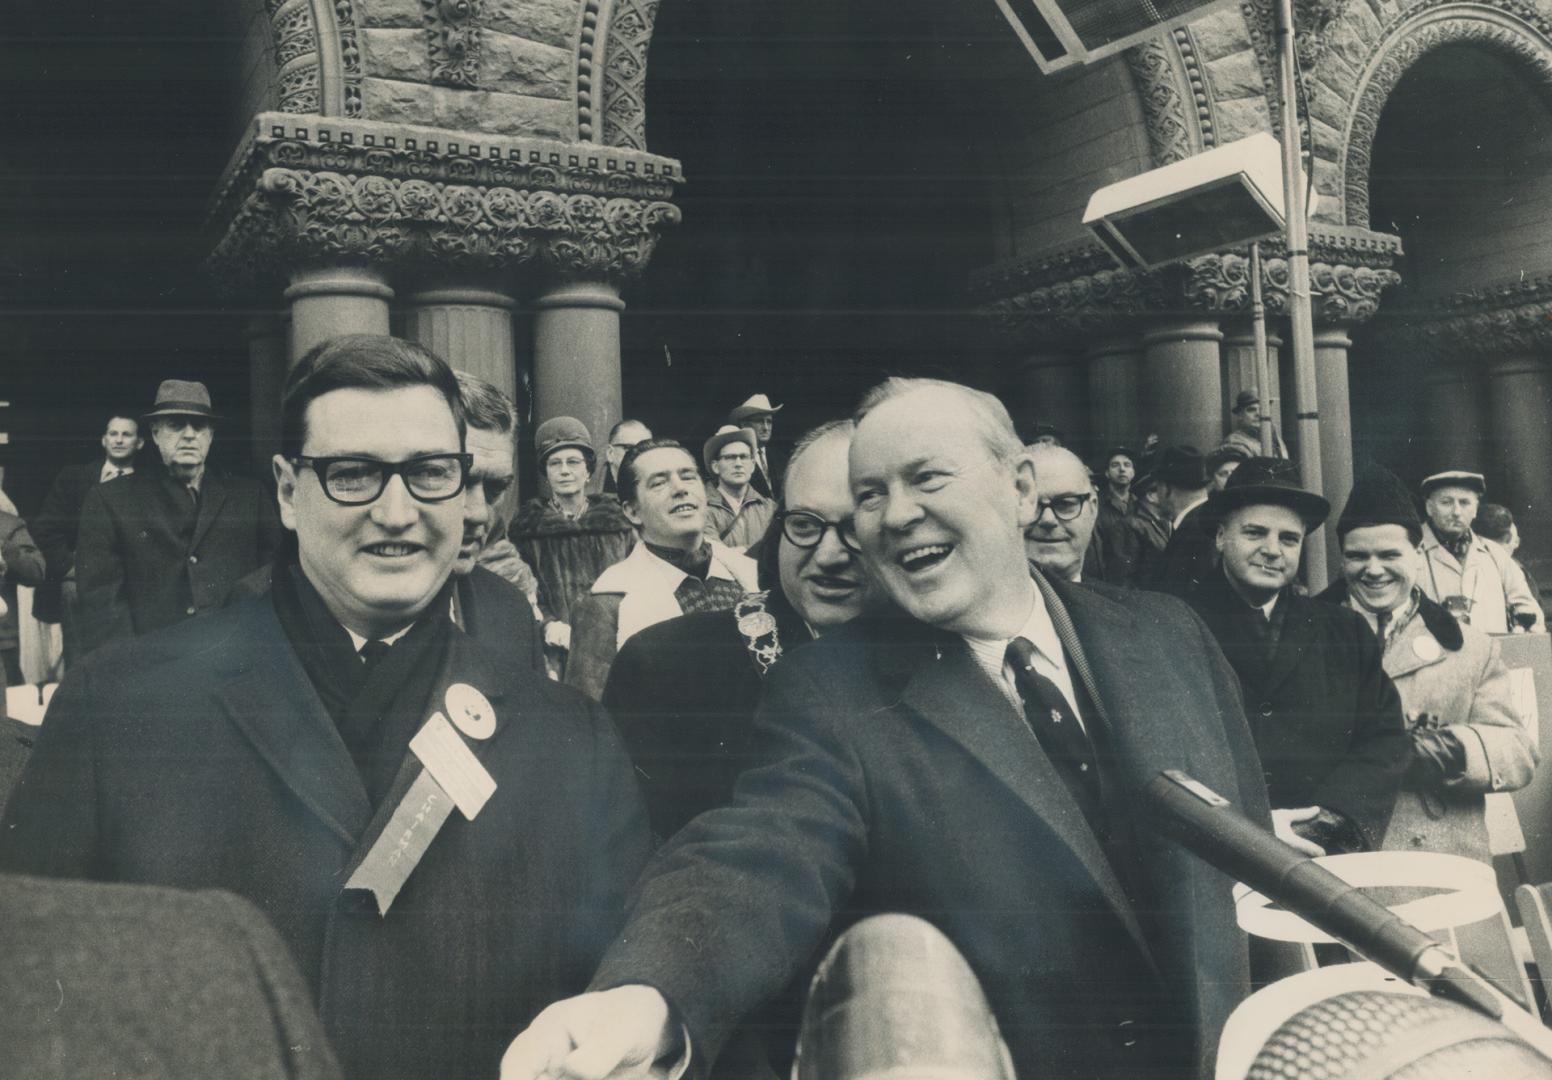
x=1361, y=90
x=316, y=56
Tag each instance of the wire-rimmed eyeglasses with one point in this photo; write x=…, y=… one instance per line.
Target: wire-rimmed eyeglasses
x=356, y=481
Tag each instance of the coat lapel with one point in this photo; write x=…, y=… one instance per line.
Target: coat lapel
x=211, y=496
x=949, y=690
x=1297, y=635
x=272, y=701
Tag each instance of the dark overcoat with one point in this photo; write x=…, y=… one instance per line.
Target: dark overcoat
x=201, y=757
x=1191, y=556
x=1326, y=718
x=893, y=775
x=56, y=527
x=147, y=558
x=140, y=983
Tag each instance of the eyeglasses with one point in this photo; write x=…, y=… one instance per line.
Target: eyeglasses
x=1063, y=507
x=805, y=530
x=356, y=481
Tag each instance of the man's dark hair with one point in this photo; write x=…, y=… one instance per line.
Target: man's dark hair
x=361, y=362
x=485, y=406
x=121, y=415
x=628, y=479
x=1494, y=522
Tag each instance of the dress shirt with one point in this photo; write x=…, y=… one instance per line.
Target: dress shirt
x=111, y=471
x=992, y=656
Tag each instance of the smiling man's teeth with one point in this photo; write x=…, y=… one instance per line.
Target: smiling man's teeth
x=390, y=549
x=917, y=557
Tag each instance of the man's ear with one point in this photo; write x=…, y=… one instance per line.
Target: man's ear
x=1028, y=491
x=631, y=514
x=139, y=444
x=1218, y=541
x=285, y=490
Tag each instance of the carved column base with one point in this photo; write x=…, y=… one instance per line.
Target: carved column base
x=577, y=355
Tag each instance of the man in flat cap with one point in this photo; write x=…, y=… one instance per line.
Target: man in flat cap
x=1467, y=738
x=161, y=545
x=759, y=414
x=1326, y=719
x=1475, y=579
x=736, y=513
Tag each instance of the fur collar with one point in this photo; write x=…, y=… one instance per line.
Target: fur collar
x=539, y=518
x=1440, y=623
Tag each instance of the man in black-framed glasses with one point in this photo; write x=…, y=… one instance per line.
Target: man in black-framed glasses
x=413, y=804
x=1060, y=539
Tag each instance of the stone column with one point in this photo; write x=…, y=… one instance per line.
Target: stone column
x=1183, y=383
x=469, y=327
x=577, y=355
x=1053, y=389
x=1451, y=429
x=329, y=301
x=1114, y=373
x=1336, y=426
x=1519, y=399
x=267, y=365
x=1239, y=370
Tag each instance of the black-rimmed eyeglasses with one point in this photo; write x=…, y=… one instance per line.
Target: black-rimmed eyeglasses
x=356, y=481
x=1064, y=507
x=806, y=530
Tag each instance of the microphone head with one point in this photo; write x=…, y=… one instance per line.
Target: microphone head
x=895, y=1000
x=1374, y=1035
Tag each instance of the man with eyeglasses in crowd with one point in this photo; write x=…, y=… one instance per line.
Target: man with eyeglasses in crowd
x=161, y=545
x=736, y=513
x=1061, y=539
x=624, y=435
x=306, y=750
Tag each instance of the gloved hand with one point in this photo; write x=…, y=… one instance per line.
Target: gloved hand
x=1437, y=755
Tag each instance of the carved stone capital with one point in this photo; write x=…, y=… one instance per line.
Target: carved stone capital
x=1075, y=292
x=412, y=198
x=1481, y=324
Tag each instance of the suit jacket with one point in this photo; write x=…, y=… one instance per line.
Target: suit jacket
x=149, y=984
x=56, y=527
x=148, y=559
x=893, y=775
x=1326, y=718
x=202, y=757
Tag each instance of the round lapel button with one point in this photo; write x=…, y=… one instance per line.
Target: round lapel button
x=470, y=711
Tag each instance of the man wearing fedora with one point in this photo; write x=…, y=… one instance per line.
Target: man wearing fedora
x=758, y=414
x=161, y=545
x=1245, y=435
x=1326, y=719
x=1475, y=579
x=736, y=513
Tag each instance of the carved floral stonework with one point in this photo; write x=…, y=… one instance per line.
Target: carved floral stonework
x=625, y=73
x=453, y=40
x=1071, y=295
x=379, y=194
x=1490, y=323
x=297, y=40
x=350, y=57
x=1158, y=89
x=587, y=72
x=1511, y=28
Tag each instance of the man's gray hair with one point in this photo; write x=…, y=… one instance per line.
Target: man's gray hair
x=992, y=421
x=485, y=406
x=1046, y=456
x=809, y=438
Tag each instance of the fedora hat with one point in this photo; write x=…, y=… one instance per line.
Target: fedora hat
x=1261, y=481
x=1181, y=467
x=757, y=405
x=728, y=433
x=560, y=433
x=1244, y=400
x=176, y=397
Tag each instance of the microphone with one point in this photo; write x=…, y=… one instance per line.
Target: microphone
x=1207, y=825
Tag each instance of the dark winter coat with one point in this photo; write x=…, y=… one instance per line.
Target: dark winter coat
x=568, y=554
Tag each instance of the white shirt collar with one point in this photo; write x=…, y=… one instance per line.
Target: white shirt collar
x=991, y=654
x=358, y=641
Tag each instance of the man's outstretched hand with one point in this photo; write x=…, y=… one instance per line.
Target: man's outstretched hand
x=609, y=1035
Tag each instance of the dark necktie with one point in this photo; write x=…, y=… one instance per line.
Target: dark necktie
x=372, y=654
x=1381, y=624
x=1058, y=731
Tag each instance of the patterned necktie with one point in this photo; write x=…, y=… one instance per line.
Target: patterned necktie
x=1058, y=730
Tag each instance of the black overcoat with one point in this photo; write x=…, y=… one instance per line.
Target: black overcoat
x=201, y=757
x=1326, y=718
x=893, y=775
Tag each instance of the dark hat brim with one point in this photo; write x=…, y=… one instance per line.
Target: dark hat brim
x=181, y=408
x=1470, y=483
x=749, y=412
x=569, y=444
x=1311, y=508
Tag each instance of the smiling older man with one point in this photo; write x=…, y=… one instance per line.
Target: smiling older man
x=1061, y=538
x=305, y=749
x=964, y=757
